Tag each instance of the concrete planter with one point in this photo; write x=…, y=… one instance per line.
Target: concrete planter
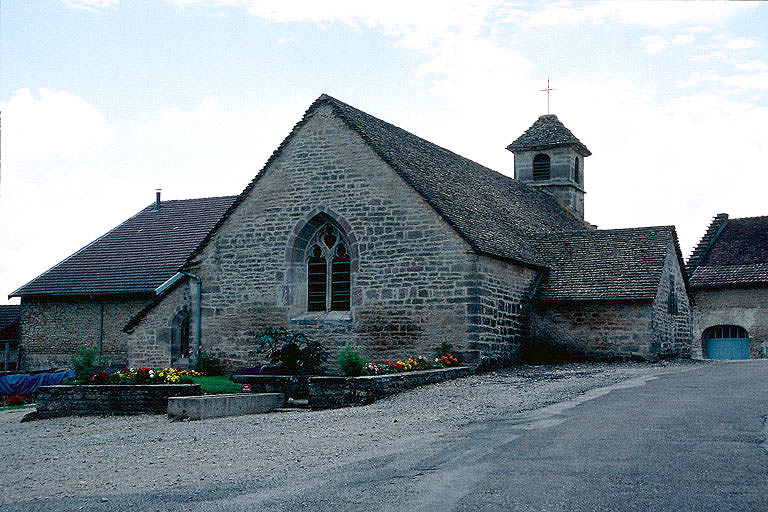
x=219, y=406
x=335, y=392
x=68, y=400
x=293, y=386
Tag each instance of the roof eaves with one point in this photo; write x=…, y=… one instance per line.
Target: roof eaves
x=19, y=291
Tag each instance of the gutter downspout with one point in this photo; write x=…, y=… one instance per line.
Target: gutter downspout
x=199, y=311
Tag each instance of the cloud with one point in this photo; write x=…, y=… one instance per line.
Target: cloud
x=53, y=124
x=649, y=14
x=753, y=65
x=683, y=39
x=654, y=44
x=91, y=4
x=736, y=43
x=56, y=201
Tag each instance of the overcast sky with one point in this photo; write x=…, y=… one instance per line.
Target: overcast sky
x=105, y=100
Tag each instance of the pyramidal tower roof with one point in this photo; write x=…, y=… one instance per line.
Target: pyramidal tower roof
x=548, y=132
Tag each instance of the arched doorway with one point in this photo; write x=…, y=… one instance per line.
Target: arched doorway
x=180, y=338
x=725, y=342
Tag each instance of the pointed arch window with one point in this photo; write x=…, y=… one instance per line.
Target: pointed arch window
x=328, y=271
x=541, y=167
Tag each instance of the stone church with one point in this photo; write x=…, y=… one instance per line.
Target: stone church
x=357, y=232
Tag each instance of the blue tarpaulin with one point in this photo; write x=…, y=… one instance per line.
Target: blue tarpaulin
x=24, y=384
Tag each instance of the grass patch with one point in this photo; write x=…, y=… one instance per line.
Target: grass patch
x=217, y=384
x=12, y=407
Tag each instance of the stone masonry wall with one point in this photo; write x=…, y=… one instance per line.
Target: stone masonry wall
x=745, y=307
x=596, y=330
x=411, y=273
x=55, y=401
x=499, y=309
x=335, y=392
x=150, y=345
x=562, y=175
x=672, y=332
x=52, y=330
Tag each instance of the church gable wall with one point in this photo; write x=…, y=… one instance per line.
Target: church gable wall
x=409, y=268
x=51, y=331
x=672, y=329
x=744, y=307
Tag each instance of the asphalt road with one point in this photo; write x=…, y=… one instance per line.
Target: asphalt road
x=692, y=440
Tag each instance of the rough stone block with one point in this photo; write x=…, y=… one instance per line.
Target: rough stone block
x=219, y=406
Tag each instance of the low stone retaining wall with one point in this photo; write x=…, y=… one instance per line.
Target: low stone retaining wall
x=219, y=406
x=335, y=392
x=66, y=400
x=293, y=386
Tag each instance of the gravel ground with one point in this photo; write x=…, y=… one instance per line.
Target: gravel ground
x=104, y=456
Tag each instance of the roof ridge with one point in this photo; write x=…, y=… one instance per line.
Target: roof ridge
x=194, y=199
x=462, y=157
x=589, y=231
x=339, y=106
x=749, y=218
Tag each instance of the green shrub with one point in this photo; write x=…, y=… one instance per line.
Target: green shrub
x=351, y=363
x=443, y=348
x=86, y=362
x=209, y=364
x=293, y=350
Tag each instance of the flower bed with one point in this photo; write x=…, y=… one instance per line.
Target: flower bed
x=412, y=364
x=144, y=375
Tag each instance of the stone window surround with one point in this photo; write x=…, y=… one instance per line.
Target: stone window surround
x=319, y=249
x=296, y=256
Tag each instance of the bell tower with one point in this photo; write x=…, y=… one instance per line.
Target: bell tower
x=550, y=157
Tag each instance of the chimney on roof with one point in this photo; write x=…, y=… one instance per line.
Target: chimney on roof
x=157, y=198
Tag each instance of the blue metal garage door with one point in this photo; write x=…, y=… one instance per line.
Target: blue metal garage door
x=726, y=342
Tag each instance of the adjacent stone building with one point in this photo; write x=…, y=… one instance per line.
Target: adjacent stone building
x=90, y=296
x=729, y=280
x=357, y=232
x=9, y=337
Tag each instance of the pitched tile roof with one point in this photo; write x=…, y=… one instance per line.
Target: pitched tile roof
x=717, y=225
x=9, y=321
x=547, y=132
x=135, y=257
x=492, y=212
x=736, y=255
x=616, y=264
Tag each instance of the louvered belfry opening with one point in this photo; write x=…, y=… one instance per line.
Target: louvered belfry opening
x=541, y=167
x=328, y=272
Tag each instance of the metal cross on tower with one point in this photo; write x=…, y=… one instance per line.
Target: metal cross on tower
x=547, y=90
